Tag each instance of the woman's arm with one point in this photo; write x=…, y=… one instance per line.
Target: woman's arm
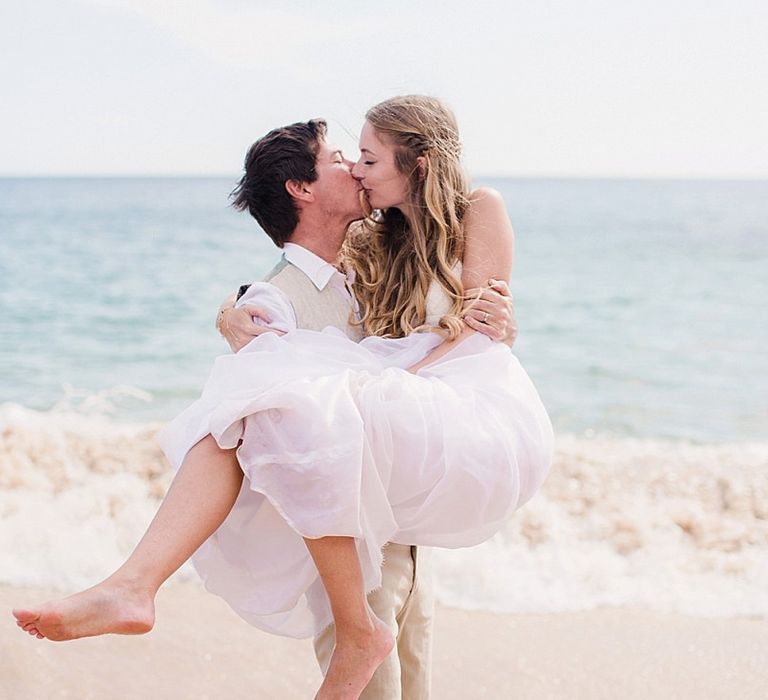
x=493, y=313
x=489, y=248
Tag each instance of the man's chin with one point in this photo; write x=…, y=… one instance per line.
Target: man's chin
x=365, y=204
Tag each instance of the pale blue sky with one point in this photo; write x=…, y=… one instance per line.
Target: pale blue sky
x=592, y=88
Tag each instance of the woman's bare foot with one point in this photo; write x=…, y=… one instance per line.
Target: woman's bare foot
x=109, y=608
x=355, y=659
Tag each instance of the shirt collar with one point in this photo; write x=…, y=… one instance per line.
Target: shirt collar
x=313, y=266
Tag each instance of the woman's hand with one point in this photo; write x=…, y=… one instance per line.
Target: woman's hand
x=239, y=327
x=490, y=310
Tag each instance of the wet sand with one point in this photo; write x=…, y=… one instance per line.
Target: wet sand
x=200, y=649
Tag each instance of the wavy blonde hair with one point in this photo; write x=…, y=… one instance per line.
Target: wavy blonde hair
x=396, y=260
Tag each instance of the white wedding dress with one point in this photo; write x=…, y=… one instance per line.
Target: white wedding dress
x=339, y=439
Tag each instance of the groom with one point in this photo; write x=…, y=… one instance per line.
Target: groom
x=301, y=191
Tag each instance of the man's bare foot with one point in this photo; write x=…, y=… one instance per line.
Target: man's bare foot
x=355, y=659
x=108, y=608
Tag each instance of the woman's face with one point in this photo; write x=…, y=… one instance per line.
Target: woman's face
x=384, y=184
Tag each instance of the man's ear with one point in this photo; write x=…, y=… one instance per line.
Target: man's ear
x=298, y=190
x=421, y=164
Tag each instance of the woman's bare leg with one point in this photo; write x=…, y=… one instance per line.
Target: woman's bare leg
x=363, y=641
x=199, y=499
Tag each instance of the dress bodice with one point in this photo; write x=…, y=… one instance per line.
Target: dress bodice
x=438, y=301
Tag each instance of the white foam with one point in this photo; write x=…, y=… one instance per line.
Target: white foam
x=669, y=526
x=76, y=493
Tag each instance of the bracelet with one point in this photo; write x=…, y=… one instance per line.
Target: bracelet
x=220, y=318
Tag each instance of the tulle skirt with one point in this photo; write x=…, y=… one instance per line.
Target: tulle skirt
x=337, y=438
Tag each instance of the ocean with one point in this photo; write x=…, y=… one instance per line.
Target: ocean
x=641, y=307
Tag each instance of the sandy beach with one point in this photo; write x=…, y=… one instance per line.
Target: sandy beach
x=620, y=563
x=200, y=649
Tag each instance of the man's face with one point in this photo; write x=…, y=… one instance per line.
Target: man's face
x=335, y=190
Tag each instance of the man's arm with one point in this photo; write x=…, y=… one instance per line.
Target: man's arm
x=227, y=305
x=239, y=325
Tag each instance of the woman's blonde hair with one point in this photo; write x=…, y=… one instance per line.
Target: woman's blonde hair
x=396, y=260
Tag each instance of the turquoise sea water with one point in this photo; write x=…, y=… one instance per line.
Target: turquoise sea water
x=642, y=321
x=641, y=304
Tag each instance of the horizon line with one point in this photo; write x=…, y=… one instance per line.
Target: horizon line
x=486, y=176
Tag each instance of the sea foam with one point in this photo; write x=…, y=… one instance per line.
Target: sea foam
x=627, y=522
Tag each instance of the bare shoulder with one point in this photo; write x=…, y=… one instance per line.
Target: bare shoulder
x=487, y=213
x=489, y=242
x=483, y=197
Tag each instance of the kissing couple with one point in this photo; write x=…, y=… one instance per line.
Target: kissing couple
x=371, y=409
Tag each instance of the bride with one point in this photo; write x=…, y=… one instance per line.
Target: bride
x=426, y=432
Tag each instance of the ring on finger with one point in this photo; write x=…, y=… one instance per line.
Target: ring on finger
x=486, y=317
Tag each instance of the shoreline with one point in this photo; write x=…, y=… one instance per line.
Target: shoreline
x=79, y=492
x=201, y=649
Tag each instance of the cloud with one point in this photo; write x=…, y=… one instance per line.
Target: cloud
x=246, y=36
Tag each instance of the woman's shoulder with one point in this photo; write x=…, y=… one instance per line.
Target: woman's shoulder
x=489, y=240
x=483, y=200
x=487, y=210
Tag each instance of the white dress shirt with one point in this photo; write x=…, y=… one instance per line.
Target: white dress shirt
x=321, y=272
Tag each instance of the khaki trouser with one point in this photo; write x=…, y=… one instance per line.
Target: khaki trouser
x=405, y=602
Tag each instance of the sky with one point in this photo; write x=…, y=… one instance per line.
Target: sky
x=540, y=89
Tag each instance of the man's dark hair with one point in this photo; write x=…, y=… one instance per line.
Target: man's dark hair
x=287, y=153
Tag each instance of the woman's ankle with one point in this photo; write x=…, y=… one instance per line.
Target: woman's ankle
x=361, y=629
x=137, y=583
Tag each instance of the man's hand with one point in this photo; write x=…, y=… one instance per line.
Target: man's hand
x=490, y=310
x=238, y=326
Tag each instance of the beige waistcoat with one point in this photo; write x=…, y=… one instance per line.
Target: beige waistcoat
x=314, y=308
